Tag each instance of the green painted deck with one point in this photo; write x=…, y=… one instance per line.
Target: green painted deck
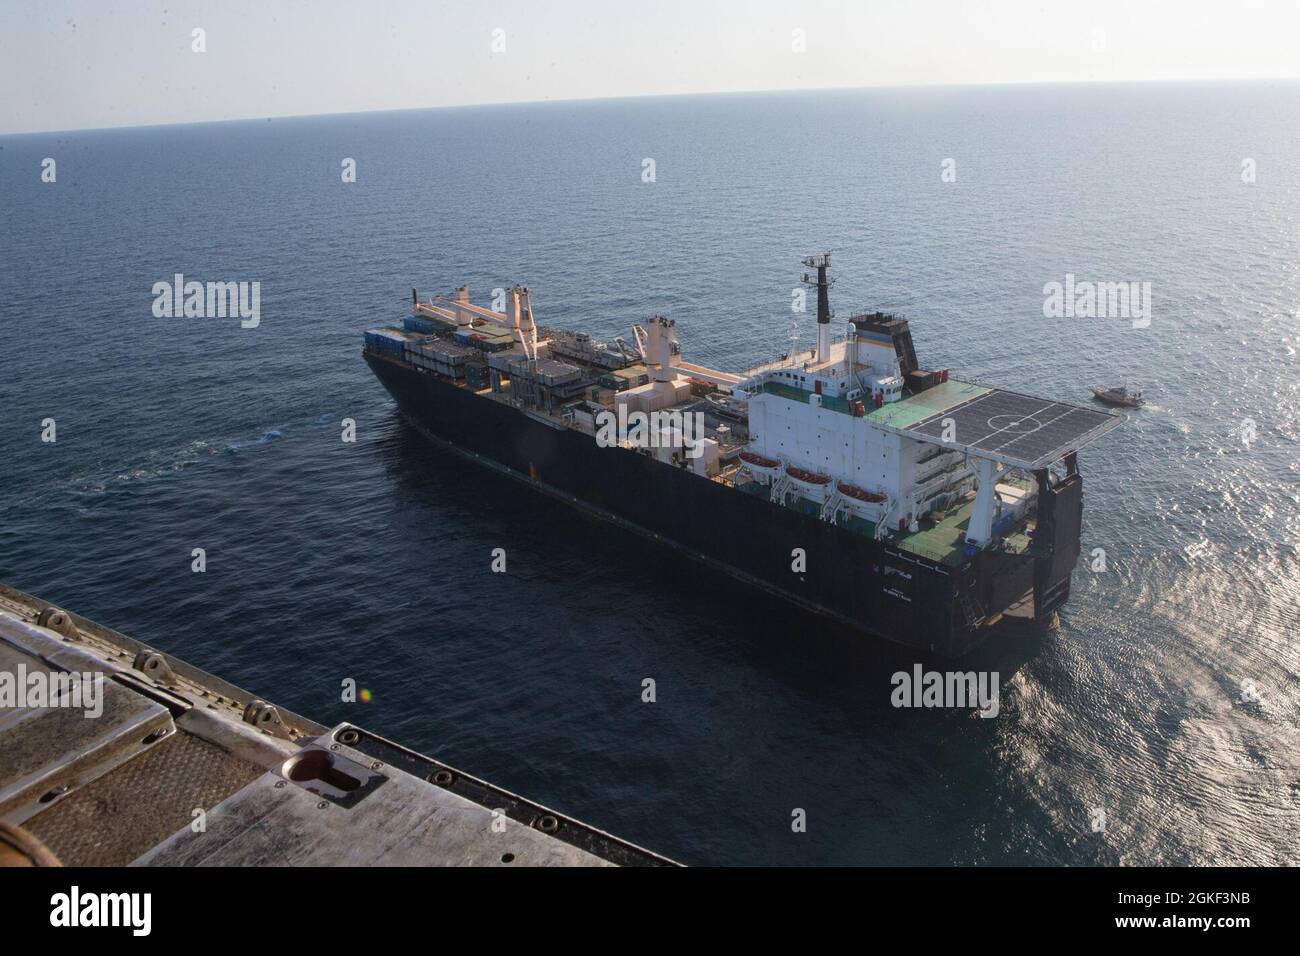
x=944, y=540
x=829, y=402
x=940, y=541
x=1018, y=542
x=899, y=414
x=911, y=410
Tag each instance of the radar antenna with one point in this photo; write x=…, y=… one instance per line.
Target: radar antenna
x=823, y=284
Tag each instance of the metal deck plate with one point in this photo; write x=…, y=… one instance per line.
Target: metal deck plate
x=122, y=814
x=279, y=820
x=128, y=784
x=916, y=408
x=1019, y=430
x=49, y=750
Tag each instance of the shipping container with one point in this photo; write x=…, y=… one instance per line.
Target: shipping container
x=418, y=323
x=545, y=371
x=624, y=378
x=442, y=351
x=501, y=361
x=476, y=375
x=439, y=323
x=388, y=340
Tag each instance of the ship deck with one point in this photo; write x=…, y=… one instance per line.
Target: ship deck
x=944, y=540
x=173, y=745
x=1018, y=430
x=939, y=541
x=933, y=401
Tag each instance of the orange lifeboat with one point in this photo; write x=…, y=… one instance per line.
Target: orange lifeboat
x=853, y=491
x=809, y=477
x=752, y=458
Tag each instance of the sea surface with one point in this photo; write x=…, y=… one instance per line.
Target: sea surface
x=1157, y=724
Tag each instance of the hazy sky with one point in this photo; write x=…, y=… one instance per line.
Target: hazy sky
x=93, y=63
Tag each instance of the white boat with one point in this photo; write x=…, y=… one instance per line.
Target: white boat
x=1118, y=395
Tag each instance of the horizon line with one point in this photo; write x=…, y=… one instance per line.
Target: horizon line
x=646, y=96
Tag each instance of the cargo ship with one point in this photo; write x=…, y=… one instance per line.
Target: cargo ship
x=846, y=478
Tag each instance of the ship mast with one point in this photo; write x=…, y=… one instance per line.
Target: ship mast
x=823, y=284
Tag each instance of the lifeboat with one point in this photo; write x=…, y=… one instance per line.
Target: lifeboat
x=758, y=461
x=760, y=466
x=861, y=494
x=808, y=477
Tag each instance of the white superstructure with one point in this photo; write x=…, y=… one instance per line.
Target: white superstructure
x=812, y=416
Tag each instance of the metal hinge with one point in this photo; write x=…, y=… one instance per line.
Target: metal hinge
x=154, y=666
x=59, y=620
x=265, y=717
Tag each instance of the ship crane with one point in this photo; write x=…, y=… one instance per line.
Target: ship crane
x=519, y=314
x=641, y=337
x=663, y=357
x=623, y=349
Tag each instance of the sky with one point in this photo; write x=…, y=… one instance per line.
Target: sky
x=82, y=64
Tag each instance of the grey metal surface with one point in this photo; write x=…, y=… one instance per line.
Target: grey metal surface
x=117, y=817
x=520, y=809
x=110, y=645
x=53, y=748
x=1019, y=430
x=119, y=792
x=403, y=821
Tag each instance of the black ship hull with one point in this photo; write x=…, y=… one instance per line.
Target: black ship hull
x=862, y=583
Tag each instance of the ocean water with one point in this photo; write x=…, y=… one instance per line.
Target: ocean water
x=1168, y=697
